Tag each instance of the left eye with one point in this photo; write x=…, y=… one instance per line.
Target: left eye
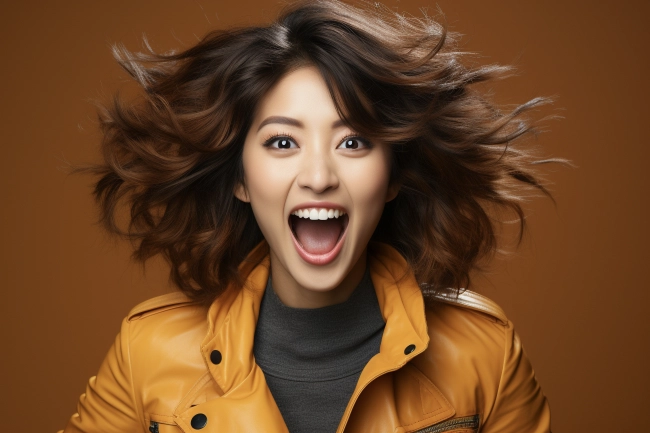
x=352, y=143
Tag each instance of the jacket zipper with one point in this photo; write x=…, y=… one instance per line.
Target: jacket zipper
x=153, y=427
x=468, y=422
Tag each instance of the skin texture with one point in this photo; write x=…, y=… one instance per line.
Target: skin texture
x=321, y=162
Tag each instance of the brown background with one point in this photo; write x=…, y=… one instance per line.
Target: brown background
x=576, y=288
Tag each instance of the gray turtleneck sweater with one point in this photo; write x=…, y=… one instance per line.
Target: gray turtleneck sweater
x=312, y=358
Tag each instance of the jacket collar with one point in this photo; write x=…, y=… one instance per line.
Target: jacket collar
x=233, y=316
x=232, y=319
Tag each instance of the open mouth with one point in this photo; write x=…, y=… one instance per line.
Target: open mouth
x=318, y=233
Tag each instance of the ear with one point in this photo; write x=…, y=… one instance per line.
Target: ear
x=393, y=190
x=242, y=193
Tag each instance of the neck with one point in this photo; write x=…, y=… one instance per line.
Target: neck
x=292, y=294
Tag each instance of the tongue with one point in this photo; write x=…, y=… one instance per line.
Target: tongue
x=317, y=236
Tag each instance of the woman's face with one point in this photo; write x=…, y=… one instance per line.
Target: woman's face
x=316, y=188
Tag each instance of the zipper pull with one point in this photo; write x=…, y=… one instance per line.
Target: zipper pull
x=153, y=427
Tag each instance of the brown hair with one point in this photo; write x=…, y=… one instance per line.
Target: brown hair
x=175, y=156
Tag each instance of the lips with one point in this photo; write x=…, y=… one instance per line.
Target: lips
x=318, y=233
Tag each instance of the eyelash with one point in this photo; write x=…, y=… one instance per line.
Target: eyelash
x=274, y=137
x=356, y=137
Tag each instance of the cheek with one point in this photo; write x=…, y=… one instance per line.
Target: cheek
x=266, y=190
x=256, y=177
x=368, y=183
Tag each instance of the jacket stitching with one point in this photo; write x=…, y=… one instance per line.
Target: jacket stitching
x=428, y=414
x=506, y=345
x=160, y=415
x=138, y=412
x=476, y=306
x=185, y=402
x=168, y=419
x=157, y=310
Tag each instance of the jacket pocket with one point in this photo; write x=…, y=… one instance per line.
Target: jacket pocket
x=463, y=424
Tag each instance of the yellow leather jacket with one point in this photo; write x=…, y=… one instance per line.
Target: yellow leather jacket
x=456, y=366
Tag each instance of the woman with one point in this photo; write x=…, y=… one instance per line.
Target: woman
x=314, y=184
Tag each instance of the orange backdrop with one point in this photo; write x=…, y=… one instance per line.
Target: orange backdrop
x=576, y=288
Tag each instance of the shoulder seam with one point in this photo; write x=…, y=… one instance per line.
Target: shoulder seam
x=473, y=301
x=159, y=302
x=131, y=382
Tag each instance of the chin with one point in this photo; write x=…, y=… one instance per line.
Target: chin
x=320, y=278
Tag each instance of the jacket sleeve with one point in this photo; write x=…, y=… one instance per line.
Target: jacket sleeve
x=108, y=405
x=520, y=405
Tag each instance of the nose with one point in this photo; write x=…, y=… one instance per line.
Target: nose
x=317, y=172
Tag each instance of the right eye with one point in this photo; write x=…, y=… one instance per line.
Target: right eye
x=281, y=143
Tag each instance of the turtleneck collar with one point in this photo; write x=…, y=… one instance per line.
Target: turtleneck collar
x=321, y=343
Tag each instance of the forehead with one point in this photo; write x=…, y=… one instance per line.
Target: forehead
x=300, y=94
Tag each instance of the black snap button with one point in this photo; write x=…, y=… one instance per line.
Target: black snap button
x=199, y=421
x=215, y=357
x=409, y=349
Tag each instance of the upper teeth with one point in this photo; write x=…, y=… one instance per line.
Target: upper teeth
x=318, y=213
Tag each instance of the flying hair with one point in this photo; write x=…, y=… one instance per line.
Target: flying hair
x=174, y=156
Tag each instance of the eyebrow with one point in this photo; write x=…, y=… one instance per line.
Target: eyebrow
x=291, y=122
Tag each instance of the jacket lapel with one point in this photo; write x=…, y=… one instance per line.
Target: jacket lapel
x=246, y=404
